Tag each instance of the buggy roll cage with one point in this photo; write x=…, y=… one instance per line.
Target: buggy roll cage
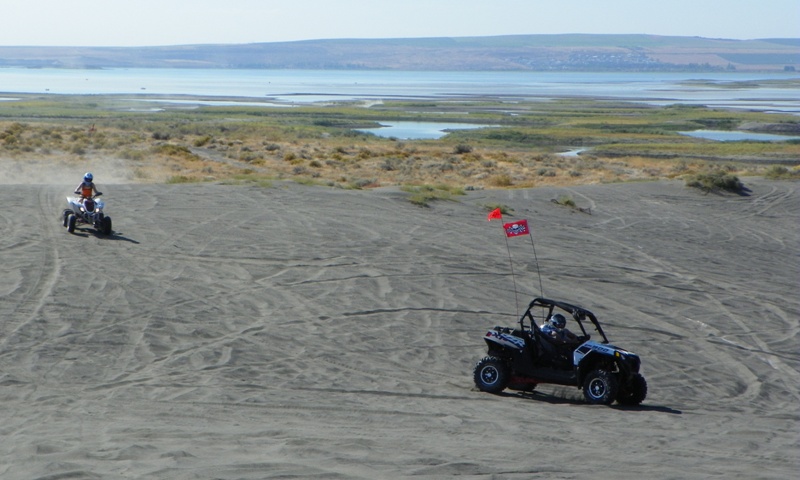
x=579, y=314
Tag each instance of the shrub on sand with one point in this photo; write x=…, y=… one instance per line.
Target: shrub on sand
x=502, y=180
x=715, y=181
x=566, y=201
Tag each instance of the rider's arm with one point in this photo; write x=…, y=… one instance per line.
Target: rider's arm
x=554, y=335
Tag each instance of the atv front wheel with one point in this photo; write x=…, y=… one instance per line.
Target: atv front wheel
x=491, y=375
x=600, y=387
x=71, y=219
x=105, y=226
x=634, y=392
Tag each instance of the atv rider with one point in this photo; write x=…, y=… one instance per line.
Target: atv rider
x=86, y=188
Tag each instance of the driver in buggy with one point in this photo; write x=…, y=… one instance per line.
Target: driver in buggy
x=560, y=337
x=555, y=329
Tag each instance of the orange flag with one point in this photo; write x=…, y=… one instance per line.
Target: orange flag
x=495, y=214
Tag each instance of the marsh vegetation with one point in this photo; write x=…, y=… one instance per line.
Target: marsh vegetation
x=322, y=144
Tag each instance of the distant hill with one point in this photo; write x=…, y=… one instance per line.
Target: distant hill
x=577, y=52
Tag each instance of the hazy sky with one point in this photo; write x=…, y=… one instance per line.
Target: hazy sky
x=177, y=22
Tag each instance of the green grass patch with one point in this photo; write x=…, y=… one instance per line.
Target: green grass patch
x=177, y=179
x=779, y=172
x=251, y=178
x=504, y=209
x=422, y=195
x=174, y=151
x=702, y=149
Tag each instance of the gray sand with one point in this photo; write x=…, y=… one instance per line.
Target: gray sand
x=235, y=332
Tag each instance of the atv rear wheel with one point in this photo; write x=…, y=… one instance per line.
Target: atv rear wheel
x=634, y=392
x=71, y=219
x=491, y=375
x=600, y=387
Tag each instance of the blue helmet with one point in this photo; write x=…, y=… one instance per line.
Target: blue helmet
x=558, y=321
x=88, y=177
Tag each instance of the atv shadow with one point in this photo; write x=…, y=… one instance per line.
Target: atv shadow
x=81, y=232
x=562, y=398
x=86, y=232
x=118, y=237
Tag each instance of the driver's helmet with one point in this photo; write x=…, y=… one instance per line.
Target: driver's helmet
x=558, y=321
x=88, y=177
x=88, y=204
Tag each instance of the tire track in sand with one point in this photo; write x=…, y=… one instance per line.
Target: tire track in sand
x=46, y=274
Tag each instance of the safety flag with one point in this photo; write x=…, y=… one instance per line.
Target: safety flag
x=495, y=214
x=514, y=229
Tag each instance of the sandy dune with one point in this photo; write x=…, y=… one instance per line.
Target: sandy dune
x=232, y=332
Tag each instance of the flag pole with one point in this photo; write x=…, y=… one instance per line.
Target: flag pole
x=538, y=271
x=511, y=265
x=514, y=229
x=497, y=214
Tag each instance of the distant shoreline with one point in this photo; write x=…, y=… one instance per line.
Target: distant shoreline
x=526, y=53
x=751, y=91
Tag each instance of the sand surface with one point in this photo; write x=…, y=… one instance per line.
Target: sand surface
x=240, y=332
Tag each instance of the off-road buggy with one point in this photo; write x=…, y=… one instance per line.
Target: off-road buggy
x=520, y=358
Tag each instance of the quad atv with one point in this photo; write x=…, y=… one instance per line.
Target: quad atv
x=88, y=211
x=520, y=358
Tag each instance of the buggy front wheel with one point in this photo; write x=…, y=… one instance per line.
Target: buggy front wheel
x=600, y=387
x=634, y=392
x=491, y=375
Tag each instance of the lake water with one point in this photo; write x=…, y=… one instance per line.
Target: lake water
x=418, y=130
x=305, y=86
x=734, y=136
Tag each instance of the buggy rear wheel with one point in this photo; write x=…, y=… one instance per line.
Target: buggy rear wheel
x=600, y=387
x=491, y=375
